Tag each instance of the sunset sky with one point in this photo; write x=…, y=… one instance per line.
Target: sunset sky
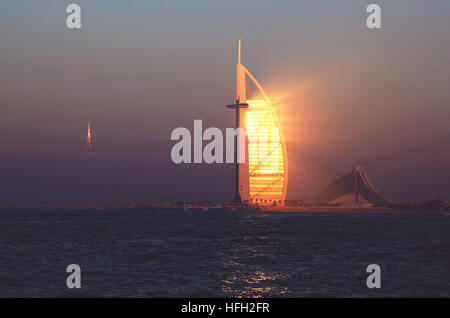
x=139, y=69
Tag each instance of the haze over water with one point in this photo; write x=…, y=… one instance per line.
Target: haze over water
x=138, y=70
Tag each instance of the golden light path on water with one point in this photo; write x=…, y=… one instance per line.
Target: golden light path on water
x=252, y=281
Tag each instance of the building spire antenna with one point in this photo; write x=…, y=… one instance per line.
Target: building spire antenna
x=239, y=51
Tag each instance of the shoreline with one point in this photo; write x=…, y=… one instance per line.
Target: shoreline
x=230, y=207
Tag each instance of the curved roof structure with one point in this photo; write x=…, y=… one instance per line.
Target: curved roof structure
x=358, y=183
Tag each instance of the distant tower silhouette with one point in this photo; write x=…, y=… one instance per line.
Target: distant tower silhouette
x=89, y=137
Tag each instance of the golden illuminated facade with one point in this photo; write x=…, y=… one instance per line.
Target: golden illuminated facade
x=265, y=154
x=262, y=178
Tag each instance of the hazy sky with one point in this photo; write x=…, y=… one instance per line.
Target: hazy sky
x=139, y=69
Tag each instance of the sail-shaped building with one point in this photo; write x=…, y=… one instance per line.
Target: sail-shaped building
x=263, y=176
x=357, y=183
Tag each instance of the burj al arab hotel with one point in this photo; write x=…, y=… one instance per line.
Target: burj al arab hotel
x=263, y=176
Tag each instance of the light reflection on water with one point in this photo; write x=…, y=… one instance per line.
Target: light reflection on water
x=252, y=282
x=161, y=253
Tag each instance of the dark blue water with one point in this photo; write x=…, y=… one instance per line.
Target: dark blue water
x=149, y=253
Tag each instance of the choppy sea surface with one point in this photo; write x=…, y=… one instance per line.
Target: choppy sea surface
x=172, y=253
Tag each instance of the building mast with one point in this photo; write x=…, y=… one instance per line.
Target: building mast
x=241, y=103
